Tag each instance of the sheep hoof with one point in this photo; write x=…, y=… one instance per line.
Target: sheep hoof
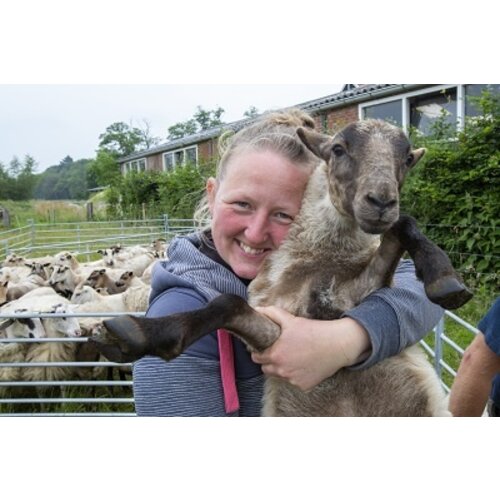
x=448, y=292
x=123, y=342
x=112, y=352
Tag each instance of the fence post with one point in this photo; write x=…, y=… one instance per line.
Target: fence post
x=438, y=346
x=31, y=222
x=166, y=226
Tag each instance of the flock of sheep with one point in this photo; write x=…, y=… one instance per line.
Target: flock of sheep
x=43, y=293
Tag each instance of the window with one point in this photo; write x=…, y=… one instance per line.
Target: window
x=420, y=108
x=168, y=161
x=134, y=166
x=473, y=92
x=427, y=108
x=191, y=156
x=179, y=157
x=390, y=111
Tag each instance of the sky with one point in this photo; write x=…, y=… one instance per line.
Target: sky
x=51, y=121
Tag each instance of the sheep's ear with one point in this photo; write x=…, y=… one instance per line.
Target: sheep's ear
x=319, y=144
x=100, y=251
x=6, y=323
x=415, y=156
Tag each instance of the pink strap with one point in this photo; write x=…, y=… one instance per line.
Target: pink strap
x=231, y=401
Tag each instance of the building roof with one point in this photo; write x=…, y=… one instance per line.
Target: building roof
x=349, y=96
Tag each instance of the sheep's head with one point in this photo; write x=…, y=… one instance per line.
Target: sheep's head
x=124, y=279
x=96, y=278
x=63, y=326
x=23, y=327
x=367, y=162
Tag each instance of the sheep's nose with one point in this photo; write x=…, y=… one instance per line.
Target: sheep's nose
x=31, y=336
x=381, y=205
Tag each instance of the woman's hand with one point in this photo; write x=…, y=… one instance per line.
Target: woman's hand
x=308, y=351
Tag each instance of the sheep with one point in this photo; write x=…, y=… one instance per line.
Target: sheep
x=12, y=328
x=134, y=299
x=128, y=279
x=86, y=293
x=105, y=278
x=135, y=258
x=332, y=258
x=148, y=272
x=160, y=246
x=35, y=279
x=16, y=328
x=4, y=283
x=56, y=327
x=64, y=280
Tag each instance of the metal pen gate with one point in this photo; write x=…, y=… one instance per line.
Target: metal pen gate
x=85, y=238
x=74, y=400
x=123, y=404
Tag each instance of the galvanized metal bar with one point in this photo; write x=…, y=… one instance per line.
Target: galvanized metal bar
x=69, y=414
x=68, y=383
x=67, y=400
x=70, y=315
x=462, y=322
x=438, y=348
x=54, y=364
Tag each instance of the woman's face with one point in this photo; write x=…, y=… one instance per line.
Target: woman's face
x=253, y=206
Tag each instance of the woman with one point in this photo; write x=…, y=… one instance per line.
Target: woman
x=254, y=198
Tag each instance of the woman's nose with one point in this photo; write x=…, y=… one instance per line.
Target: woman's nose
x=257, y=230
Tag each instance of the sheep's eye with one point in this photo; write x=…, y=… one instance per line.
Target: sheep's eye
x=338, y=150
x=409, y=159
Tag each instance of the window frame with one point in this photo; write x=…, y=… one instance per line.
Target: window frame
x=406, y=98
x=174, y=155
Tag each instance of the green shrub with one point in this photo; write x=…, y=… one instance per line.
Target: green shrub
x=153, y=194
x=455, y=193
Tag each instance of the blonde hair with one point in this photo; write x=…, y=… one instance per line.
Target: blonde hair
x=274, y=131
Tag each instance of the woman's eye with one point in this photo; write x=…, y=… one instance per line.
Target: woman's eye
x=242, y=204
x=284, y=217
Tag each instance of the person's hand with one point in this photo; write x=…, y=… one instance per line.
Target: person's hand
x=309, y=351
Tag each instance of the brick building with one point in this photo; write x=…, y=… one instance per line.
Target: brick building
x=415, y=105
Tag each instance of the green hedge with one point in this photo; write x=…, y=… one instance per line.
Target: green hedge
x=454, y=193
x=175, y=193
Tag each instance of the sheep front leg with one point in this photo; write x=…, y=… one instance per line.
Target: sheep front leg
x=433, y=267
x=130, y=338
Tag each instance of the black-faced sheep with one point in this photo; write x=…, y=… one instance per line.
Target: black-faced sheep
x=332, y=258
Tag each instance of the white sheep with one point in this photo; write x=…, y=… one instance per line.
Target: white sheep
x=37, y=278
x=47, y=352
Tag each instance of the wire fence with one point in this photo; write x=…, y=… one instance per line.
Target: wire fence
x=92, y=388
x=103, y=388
x=85, y=238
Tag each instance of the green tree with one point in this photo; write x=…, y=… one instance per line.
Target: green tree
x=105, y=170
x=201, y=120
x=117, y=141
x=251, y=112
x=26, y=179
x=120, y=139
x=5, y=182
